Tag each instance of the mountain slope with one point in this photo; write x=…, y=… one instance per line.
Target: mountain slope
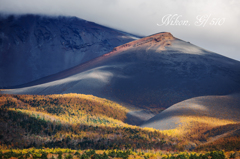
x=33, y=46
x=215, y=107
x=153, y=72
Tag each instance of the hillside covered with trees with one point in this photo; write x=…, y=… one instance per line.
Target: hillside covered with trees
x=78, y=121
x=72, y=121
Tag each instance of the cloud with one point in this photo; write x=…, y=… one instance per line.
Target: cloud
x=141, y=17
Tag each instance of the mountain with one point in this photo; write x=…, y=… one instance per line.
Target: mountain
x=199, y=89
x=154, y=72
x=34, y=46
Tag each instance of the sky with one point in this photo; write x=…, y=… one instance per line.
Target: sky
x=210, y=24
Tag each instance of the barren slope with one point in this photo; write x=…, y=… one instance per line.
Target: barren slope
x=225, y=107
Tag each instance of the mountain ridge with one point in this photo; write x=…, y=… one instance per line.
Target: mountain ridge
x=158, y=37
x=162, y=39
x=154, y=72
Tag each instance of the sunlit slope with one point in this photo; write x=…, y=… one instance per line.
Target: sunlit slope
x=207, y=122
x=153, y=72
x=73, y=108
x=212, y=107
x=219, y=107
x=71, y=121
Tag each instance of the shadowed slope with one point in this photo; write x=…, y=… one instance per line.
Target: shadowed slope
x=33, y=46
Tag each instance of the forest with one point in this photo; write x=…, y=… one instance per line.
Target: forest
x=71, y=122
x=80, y=123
